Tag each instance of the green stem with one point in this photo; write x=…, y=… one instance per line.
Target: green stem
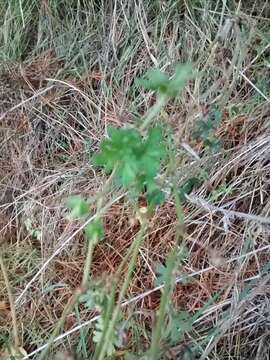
x=88, y=262
x=82, y=334
x=68, y=308
x=73, y=300
x=109, y=310
x=154, y=110
x=169, y=278
x=168, y=286
x=107, y=318
x=135, y=250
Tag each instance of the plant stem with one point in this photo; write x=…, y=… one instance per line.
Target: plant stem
x=11, y=304
x=169, y=278
x=74, y=299
x=109, y=310
x=68, y=308
x=168, y=285
x=154, y=110
x=88, y=262
x=135, y=250
x=82, y=334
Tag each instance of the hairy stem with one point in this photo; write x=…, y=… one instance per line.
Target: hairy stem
x=82, y=334
x=169, y=278
x=111, y=305
x=154, y=110
x=168, y=286
x=68, y=308
x=109, y=333
x=74, y=299
x=88, y=262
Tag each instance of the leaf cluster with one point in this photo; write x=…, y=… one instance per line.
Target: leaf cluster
x=156, y=80
x=187, y=187
x=79, y=209
x=135, y=159
x=205, y=129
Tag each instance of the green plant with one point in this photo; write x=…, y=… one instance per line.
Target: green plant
x=187, y=187
x=157, y=80
x=180, y=323
x=205, y=129
x=85, y=56
x=133, y=158
x=136, y=160
x=93, y=233
x=168, y=276
x=34, y=232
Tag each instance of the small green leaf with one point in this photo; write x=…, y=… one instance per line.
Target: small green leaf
x=183, y=253
x=136, y=159
x=156, y=80
x=205, y=129
x=127, y=171
x=51, y=288
x=94, y=231
x=183, y=73
x=34, y=232
x=213, y=143
x=156, y=197
x=188, y=354
x=95, y=299
x=187, y=187
x=78, y=206
x=161, y=272
x=180, y=323
x=114, y=340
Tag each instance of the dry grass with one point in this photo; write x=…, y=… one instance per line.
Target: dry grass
x=47, y=141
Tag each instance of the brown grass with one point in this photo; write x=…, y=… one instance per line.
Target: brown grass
x=44, y=158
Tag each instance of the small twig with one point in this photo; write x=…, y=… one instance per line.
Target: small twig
x=108, y=334
x=77, y=90
x=74, y=299
x=147, y=293
x=63, y=245
x=37, y=94
x=229, y=213
x=68, y=308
